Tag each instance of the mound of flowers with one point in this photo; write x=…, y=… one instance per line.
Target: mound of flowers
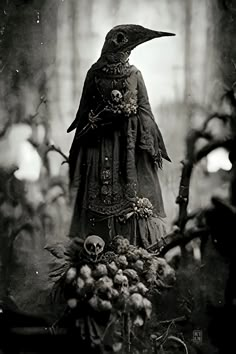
x=120, y=279
x=116, y=281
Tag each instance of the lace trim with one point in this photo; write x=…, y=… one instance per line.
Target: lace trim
x=110, y=200
x=117, y=68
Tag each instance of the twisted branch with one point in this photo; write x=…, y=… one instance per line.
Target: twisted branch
x=57, y=149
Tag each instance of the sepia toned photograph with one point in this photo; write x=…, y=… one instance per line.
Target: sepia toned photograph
x=117, y=176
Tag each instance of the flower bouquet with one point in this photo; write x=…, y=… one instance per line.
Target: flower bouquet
x=142, y=208
x=114, y=282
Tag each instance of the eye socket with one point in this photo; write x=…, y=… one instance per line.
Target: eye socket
x=121, y=38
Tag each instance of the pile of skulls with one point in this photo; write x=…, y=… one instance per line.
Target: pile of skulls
x=119, y=280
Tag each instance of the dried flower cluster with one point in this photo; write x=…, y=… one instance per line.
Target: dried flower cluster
x=143, y=208
x=120, y=281
x=126, y=108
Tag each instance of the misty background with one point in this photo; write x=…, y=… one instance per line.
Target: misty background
x=46, y=49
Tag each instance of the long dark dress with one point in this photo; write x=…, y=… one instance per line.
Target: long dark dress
x=115, y=161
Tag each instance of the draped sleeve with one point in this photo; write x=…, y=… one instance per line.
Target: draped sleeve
x=150, y=135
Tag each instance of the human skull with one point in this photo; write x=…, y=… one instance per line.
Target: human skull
x=116, y=96
x=94, y=245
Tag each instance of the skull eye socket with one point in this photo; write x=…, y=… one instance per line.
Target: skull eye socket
x=90, y=247
x=116, y=95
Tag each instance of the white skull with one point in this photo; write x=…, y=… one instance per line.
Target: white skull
x=94, y=245
x=124, y=285
x=116, y=96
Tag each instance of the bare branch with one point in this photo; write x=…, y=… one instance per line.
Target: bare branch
x=173, y=320
x=5, y=128
x=188, y=163
x=212, y=146
x=180, y=341
x=31, y=117
x=223, y=117
x=174, y=239
x=57, y=149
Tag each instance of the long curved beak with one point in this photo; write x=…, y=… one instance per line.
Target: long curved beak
x=162, y=34
x=145, y=34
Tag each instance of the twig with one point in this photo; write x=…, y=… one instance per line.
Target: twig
x=9, y=180
x=159, y=341
x=192, y=158
x=57, y=149
x=223, y=117
x=173, y=320
x=178, y=340
x=55, y=326
x=5, y=128
x=174, y=239
x=212, y=146
x=31, y=117
x=192, y=215
x=183, y=196
x=113, y=320
x=181, y=238
x=188, y=163
x=55, y=199
x=39, y=331
x=233, y=62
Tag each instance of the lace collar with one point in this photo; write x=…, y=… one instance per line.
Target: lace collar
x=117, y=69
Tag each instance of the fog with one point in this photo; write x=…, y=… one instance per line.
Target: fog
x=47, y=49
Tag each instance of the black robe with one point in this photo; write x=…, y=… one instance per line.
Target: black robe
x=115, y=161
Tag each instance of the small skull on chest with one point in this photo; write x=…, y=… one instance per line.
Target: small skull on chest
x=116, y=96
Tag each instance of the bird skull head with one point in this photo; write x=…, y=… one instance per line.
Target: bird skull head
x=116, y=96
x=94, y=245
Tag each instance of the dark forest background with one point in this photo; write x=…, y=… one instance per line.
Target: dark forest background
x=46, y=48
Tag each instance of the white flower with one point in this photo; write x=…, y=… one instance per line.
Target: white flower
x=104, y=305
x=142, y=288
x=85, y=272
x=136, y=301
x=148, y=307
x=93, y=302
x=138, y=265
x=72, y=303
x=100, y=270
x=80, y=283
x=71, y=274
x=138, y=322
x=112, y=267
